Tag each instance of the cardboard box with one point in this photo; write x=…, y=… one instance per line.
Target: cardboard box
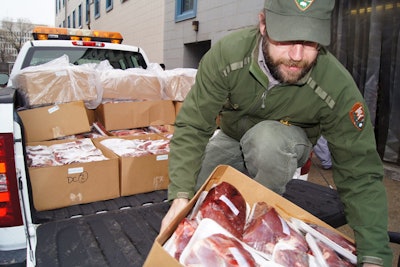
x=251, y=191
x=77, y=183
x=44, y=85
x=91, y=116
x=131, y=84
x=178, y=83
x=50, y=122
x=129, y=115
x=141, y=174
x=178, y=106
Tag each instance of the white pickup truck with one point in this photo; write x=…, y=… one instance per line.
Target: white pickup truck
x=107, y=233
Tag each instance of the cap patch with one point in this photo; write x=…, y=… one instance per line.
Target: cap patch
x=357, y=116
x=303, y=5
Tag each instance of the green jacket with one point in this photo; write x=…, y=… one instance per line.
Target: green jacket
x=327, y=101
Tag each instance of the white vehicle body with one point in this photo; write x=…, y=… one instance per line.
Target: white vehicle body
x=36, y=52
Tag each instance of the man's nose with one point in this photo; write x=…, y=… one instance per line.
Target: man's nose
x=296, y=52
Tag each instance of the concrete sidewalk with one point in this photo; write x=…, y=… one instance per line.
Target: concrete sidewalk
x=392, y=183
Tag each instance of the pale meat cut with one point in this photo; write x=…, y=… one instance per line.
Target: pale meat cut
x=219, y=250
x=225, y=205
x=184, y=233
x=290, y=257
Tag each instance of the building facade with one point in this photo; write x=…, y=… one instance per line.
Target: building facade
x=192, y=27
x=174, y=32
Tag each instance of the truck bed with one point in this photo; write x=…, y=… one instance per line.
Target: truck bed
x=118, y=232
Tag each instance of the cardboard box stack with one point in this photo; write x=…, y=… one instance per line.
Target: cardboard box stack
x=56, y=186
x=130, y=100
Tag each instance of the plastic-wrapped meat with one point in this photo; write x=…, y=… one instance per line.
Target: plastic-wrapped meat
x=130, y=132
x=266, y=228
x=219, y=250
x=335, y=237
x=331, y=257
x=226, y=206
x=287, y=255
x=82, y=150
x=291, y=250
x=157, y=147
x=136, y=147
x=183, y=233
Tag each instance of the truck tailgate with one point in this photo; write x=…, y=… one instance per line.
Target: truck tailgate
x=119, y=232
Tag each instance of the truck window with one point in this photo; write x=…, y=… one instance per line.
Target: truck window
x=118, y=59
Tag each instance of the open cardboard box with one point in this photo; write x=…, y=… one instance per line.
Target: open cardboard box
x=141, y=174
x=77, y=183
x=251, y=190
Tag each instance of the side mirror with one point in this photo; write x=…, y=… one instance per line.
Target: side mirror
x=3, y=79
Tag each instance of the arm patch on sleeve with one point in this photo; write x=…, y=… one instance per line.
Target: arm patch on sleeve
x=357, y=116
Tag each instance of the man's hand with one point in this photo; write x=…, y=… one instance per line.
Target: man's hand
x=371, y=265
x=177, y=205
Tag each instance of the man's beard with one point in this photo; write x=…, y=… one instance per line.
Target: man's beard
x=285, y=77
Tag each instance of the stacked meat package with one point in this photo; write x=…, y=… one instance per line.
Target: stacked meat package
x=223, y=230
x=76, y=151
x=136, y=147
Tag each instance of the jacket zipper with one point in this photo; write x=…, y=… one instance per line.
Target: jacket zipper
x=263, y=96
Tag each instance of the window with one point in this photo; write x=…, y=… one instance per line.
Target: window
x=118, y=59
x=96, y=8
x=109, y=5
x=87, y=17
x=80, y=16
x=185, y=9
x=69, y=22
x=74, y=19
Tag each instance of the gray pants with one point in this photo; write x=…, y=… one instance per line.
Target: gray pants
x=270, y=152
x=321, y=150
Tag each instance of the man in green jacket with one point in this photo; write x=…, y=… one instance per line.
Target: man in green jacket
x=277, y=89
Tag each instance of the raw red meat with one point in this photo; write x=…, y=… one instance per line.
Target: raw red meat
x=266, y=229
x=331, y=257
x=291, y=257
x=219, y=250
x=226, y=206
x=335, y=237
x=184, y=233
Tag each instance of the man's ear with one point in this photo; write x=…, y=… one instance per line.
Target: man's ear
x=261, y=19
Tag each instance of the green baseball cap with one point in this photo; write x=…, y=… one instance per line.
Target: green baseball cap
x=295, y=20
